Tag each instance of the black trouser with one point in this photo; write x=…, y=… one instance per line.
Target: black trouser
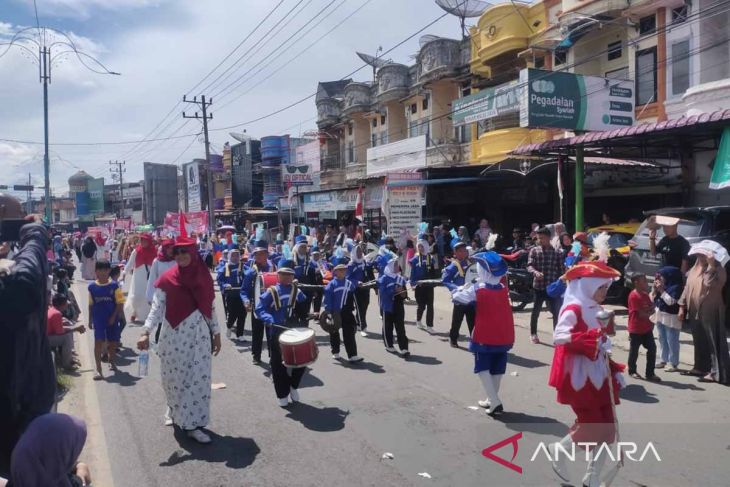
x=317, y=301
x=257, y=337
x=702, y=347
x=348, y=334
x=362, y=298
x=424, y=298
x=236, y=312
x=541, y=298
x=457, y=316
x=394, y=319
x=283, y=381
x=646, y=340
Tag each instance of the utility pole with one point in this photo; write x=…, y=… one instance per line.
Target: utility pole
x=118, y=174
x=44, y=68
x=29, y=196
x=209, y=170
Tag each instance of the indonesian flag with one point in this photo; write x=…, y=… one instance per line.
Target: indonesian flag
x=183, y=229
x=359, y=205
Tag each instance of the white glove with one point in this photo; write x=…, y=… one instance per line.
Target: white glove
x=605, y=346
x=620, y=379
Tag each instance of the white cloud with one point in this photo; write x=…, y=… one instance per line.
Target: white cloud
x=162, y=58
x=83, y=9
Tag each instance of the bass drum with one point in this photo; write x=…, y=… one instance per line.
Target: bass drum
x=263, y=282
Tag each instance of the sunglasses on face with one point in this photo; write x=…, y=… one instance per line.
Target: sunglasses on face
x=293, y=169
x=180, y=251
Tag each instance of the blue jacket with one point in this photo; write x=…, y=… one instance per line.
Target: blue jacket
x=220, y=265
x=249, y=282
x=231, y=275
x=266, y=309
x=275, y=257
x=380, y=262
x=358, y=273
x=386, y=287
x=304, y=269
x=421, y=267
x=451, y=277
x=338, y=295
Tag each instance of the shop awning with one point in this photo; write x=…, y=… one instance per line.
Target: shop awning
x=662, y=135
x=429, y=182
x=528, y=164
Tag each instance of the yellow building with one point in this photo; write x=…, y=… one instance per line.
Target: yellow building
x=507, y=38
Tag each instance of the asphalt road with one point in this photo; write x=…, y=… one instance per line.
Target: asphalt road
x=421, y=410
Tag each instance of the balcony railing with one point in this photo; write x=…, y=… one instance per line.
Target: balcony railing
x=332, y=163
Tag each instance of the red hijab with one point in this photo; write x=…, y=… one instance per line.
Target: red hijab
x=187, y=288
x=145, y=255
x=162, y=254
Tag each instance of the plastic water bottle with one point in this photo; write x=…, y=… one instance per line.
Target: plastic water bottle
x=144, y=362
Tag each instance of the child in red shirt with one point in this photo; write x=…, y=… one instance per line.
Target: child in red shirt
x=641, y=328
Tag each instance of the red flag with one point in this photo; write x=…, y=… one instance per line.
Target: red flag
x=358, y=205
x=183, y=229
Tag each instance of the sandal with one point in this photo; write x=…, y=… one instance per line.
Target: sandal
x=694, y=372
x=635, y=375
x=708, y=378
x=98, y=376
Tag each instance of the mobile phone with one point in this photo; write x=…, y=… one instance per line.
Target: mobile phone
x=10, y=229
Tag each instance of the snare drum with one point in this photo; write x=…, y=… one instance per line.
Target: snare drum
x=263, y=282
x=298, y=347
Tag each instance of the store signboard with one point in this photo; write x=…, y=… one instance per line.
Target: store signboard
x=554, y=99
x=343, y=200
x=404, y=205
x=406, y=154
x=192, y=180
x=96, y=196
x=82, y=203
x=297, y=175
x=487, y=103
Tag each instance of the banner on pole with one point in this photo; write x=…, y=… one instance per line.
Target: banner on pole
x=721, y=172
x=195, y=221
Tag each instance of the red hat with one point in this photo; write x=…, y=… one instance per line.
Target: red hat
x=581, y=237
x=592, y=269
x=185, y=242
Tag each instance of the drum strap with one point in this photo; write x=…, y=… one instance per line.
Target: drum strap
x=459, y=268
x=292, y=300
x=277, y=300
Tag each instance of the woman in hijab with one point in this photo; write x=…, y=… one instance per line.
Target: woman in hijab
x=183, y=302
x=702, y=304
x=139, y=265
x=47, y=454
x=88, y=259
x=463, y=235
x=566, y=243
x=582, y=371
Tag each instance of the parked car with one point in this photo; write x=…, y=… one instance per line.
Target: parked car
x=619, y=235
x=695, y=224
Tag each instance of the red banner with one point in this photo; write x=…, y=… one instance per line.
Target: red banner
x=195, y=221
x=123, y=224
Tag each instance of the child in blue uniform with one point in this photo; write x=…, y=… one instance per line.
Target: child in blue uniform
x=358, y=272
x=339, y=297
x=392, y=293
x=423, y=267
x=105, y=307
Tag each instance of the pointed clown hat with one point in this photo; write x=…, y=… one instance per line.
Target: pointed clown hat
x=592, y=269
x=491, y=262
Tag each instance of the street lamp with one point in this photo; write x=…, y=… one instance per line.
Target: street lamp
x=44, y=39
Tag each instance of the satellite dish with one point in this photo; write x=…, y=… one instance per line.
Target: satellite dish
x=463, y=9
x=241, y=137
x=426, y=39
x=374, y=61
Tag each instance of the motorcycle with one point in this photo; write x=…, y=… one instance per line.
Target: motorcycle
x=519, y=279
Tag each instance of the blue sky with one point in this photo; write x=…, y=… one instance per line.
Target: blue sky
x=163, y=48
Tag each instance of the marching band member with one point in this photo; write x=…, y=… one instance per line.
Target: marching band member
x=392, y=293
x=304, y=270
x=423, y=267
x=582, y=367
x=279, y=306
x=339, y=297
x=322, y=268
x=230, y=277
x=277, y=254
x=358, y=272
x=260, y=264
x=494, y=327
x=453, y=277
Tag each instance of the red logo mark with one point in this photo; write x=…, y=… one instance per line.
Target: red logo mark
x=487, y=452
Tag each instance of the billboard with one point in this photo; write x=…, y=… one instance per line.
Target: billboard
x=195, y=221
x=96, y=196
x=406, y=154
x=82, y=203
x=192, y=181
x=160, y=191
x=574, y=102
x=487, y=103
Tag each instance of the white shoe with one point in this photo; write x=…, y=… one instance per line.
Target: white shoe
x=484, y=404
x=199, y=436
x=363, y=334
x=404, y=353
x=336, y=356
x=168, y=419
x=390, y=349
x=283, y=402
x=355, y=358
x=229, y=333
x=420, y=325
x=294, y=395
